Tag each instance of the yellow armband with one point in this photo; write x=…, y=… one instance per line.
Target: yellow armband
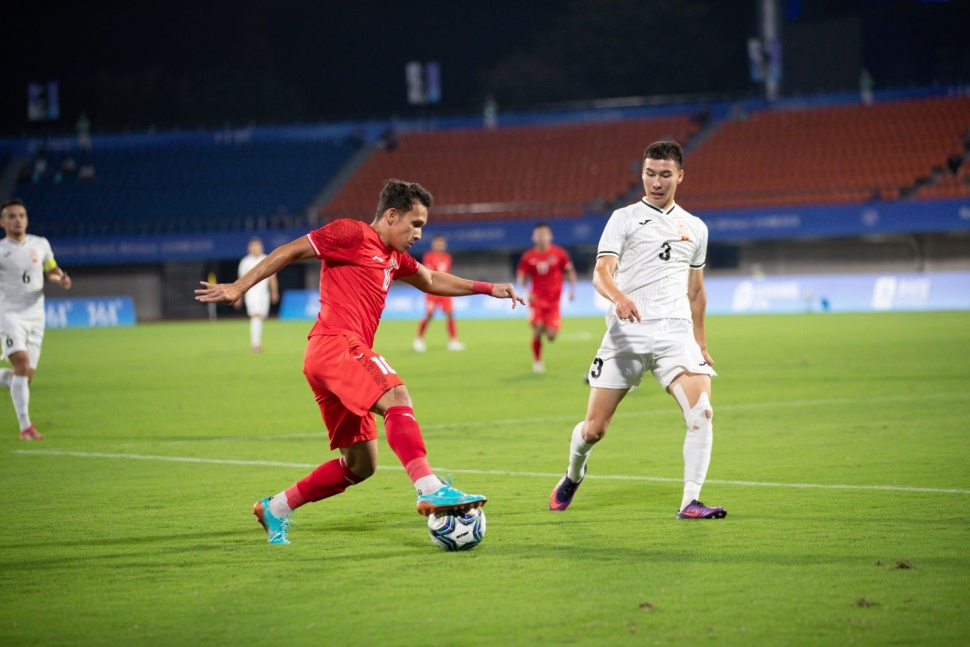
x=49, y=265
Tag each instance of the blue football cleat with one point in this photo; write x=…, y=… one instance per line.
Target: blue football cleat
x=448, y=500
x=275, y=527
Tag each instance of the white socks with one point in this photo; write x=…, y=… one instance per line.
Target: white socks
x=279, y=506
x=697, y=458
x=428, y=484
x=20, y=394
x=6, y=375
x=255, y=331
x=697, y=452
x=579, y=451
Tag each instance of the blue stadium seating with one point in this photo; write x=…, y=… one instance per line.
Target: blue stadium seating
x=186, y=187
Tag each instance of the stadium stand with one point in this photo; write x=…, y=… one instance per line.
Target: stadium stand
x=841, y=154
x=185, y=187
x=541, y=171
x=808, y=155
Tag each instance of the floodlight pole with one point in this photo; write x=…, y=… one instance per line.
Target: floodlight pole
x=771, y=42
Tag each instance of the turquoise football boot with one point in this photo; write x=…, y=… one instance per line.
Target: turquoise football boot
x=448, y=500
x=275, y=527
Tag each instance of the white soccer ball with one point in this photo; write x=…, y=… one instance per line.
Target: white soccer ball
x=457, y=531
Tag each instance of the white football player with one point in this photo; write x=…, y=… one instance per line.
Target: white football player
x=650, y=266
x=25, y=260
x=260, y=296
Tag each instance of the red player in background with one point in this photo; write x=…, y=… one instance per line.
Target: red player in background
x=439, y=260
x=543, y=266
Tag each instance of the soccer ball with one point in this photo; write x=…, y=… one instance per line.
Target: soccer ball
x=457, y=531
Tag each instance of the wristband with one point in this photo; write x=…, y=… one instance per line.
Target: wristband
x=482, y=287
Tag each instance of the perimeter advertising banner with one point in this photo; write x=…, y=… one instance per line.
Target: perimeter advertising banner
x=94, y=312
x=735, y=295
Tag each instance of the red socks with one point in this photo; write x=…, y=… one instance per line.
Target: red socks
x=333, y=477
x=537, y=347
x=452, y=329
x=404, y=437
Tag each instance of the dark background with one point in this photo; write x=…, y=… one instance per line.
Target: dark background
x=137, y=64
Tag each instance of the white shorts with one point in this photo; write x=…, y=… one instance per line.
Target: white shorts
x=666, y=347
x=22, y=333
x=257, y=304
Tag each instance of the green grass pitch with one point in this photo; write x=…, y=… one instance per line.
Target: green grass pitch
x=841, y=453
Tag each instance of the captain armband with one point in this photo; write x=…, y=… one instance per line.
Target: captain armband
x=49, y=264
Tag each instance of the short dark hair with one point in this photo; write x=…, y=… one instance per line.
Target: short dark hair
x=12, y=202
x=401, y=195
x=664, y=150
x=542, y=224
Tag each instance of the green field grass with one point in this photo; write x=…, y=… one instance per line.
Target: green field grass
x=841, y=453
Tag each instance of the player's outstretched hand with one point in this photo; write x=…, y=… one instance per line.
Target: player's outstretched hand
x=507, y=291
x=223, y=293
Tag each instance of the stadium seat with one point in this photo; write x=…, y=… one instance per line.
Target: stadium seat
x=850, y=153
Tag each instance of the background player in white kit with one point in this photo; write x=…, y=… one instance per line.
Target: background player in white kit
x=650, y=266
x=258, y=299
x=24, y=261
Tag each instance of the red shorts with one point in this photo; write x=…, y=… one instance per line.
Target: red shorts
x=347, y=378
x=433, y=302
x=545, y=313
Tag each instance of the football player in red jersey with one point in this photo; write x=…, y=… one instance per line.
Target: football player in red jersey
x=351, y=380
x=543, y=267
x=439, y=260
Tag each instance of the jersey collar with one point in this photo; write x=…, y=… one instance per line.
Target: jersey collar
x=673, y=205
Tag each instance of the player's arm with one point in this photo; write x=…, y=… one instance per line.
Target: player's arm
x=228, y=293
x=603, y=282
x=443, y=284
x=571, y=277
x=698, y=308
x=57, y=274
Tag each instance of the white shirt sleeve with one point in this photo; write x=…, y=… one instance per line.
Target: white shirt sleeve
x=614, y=236
x=699, y=259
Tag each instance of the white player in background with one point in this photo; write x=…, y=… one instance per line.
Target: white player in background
x=259, y=298
x=25, y=260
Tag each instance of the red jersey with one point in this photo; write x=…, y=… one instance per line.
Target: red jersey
x=437, y=261
x=356, y=273
x=545, y=270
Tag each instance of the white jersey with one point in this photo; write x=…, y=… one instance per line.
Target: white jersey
x=247, y=263
x=22, y=267
x=656, y=249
